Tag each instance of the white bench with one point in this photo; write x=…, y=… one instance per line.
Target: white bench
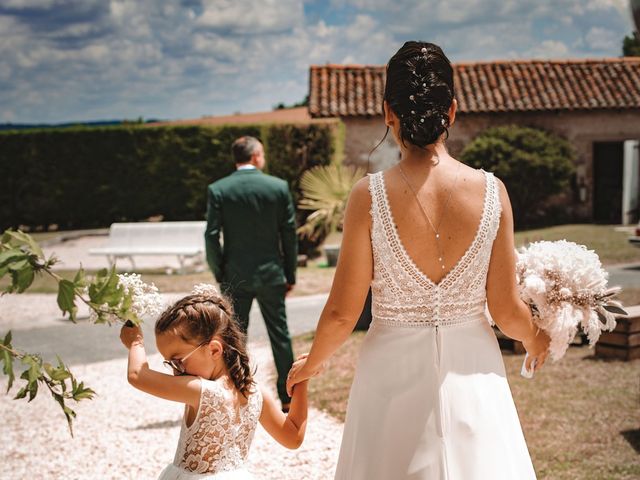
x=183, y=239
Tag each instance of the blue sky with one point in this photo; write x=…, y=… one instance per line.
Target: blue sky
x=79, y=60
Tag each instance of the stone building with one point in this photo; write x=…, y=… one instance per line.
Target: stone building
x=595, y=104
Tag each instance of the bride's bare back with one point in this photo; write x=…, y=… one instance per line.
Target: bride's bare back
x=457, y=221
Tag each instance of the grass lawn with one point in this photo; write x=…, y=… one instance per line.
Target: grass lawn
x=580, y=416
x=612, y=246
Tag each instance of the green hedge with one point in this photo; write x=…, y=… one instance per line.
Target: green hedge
x=91, y=177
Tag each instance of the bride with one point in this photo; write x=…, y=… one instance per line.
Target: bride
x=434, y=240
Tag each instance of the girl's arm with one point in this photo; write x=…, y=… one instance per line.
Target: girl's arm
x=288, y=430
x=349, y=289
x=184, y=388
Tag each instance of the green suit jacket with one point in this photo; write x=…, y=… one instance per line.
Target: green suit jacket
x=255, y=214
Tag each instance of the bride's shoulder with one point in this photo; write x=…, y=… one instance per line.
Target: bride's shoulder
x=360, y=198
x=360, y=190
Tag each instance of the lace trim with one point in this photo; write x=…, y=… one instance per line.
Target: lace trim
x=398, y=248
x=393, y=322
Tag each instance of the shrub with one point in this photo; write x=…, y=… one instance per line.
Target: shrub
x=532, y=163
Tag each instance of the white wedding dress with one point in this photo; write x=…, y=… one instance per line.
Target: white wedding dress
x=216, y=445
x=430, y=398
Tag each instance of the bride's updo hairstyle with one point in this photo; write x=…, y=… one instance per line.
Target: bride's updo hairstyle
x=419, y=90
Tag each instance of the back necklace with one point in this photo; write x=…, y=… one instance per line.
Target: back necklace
x=435, y=230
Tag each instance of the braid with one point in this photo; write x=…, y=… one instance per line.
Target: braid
x=420, y=89
x=237, y=360
x=202, y=316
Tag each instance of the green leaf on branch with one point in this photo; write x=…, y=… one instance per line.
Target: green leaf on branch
x=66, y=299
x=7, y=359
x=11, y=255
x=80, y=392
x=31, y=387
x=125, y=311
x=21, y=393
x=19, y=238
x=58, y=374
x=19, y=264
x=32, y=374
x=22, y=279
x=80, y=280
x=105, y=288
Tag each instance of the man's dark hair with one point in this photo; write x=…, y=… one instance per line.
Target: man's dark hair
x=243, y=148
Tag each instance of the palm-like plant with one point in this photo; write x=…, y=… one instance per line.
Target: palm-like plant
x=325, y=190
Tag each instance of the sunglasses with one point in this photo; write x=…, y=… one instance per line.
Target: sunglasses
x=177, y=364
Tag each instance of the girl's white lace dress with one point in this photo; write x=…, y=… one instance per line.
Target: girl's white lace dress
x=430, y=398
x=216, y=445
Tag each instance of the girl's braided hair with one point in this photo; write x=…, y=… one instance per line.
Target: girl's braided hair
x=200, y=317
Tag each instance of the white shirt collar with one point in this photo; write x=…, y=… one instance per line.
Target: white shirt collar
x=246, y=167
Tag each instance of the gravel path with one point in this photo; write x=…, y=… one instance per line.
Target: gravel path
x=124, y=433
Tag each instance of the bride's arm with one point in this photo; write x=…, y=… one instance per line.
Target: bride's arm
x=350, y=285
x=509, y=312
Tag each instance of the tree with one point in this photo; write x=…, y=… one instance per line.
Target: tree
x=631, y=45
x=533, y=164
x=302, y=103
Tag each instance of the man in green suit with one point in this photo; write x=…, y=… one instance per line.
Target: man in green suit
x=258, y=257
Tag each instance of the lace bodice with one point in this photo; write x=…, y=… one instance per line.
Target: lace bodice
x=218, y=440
x=402, y=294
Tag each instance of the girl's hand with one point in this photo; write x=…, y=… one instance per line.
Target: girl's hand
x=131, y=335
x=537, y=347
x=300, y=373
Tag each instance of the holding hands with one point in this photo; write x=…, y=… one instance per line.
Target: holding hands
x=300, y=372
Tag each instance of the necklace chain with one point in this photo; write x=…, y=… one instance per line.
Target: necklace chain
x=424, y=212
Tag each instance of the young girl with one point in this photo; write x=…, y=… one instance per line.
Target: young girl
x=202, y=344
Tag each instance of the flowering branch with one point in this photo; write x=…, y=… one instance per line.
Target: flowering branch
x=110, y=297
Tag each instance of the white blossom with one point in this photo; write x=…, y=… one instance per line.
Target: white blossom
x=146, y=298
x=146, y=301
x=204, y=289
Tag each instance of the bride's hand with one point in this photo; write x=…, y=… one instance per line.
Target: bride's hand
x=537, y=347
x=300, y=372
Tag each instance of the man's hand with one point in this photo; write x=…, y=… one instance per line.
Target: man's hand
x=289, y=288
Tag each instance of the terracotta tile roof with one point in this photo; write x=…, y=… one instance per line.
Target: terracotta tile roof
x=286, y=115
x=499, y=86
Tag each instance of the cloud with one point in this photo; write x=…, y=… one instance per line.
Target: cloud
x=548, y=49
x=249, y=17
x=91, y=59
x=601, y=39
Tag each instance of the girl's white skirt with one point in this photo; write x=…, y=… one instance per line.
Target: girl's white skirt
x=173, y=472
